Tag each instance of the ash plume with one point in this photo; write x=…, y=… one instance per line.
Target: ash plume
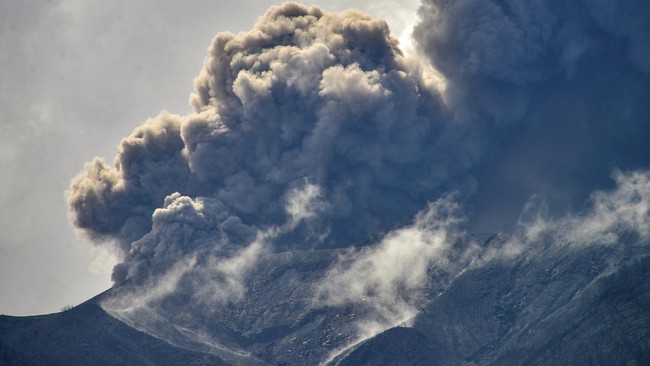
x=314, y=131
x=560, y=88
x=305, y=99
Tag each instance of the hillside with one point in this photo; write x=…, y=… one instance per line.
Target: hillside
x=524, y=316
x=87, y=335
x=552, y=307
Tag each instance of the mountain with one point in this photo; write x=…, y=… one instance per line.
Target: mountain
x=87, y=335
x=552, y=314
x=552, y=306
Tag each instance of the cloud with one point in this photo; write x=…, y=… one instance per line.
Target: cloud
x=617, y=220
x=390, y=277
x=117, y=202
x=303, y=203
x=306, y=96
x=207, y=279
x=314, y=130
x=558, y=90
x=622, y=214
x=523, y=42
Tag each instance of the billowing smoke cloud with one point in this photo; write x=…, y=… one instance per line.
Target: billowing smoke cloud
x=496, y=51
x=305, y=99
x=328, y=101
x=313, y=130
x=561, y=89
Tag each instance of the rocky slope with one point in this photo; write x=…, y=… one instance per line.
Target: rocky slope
x=565, y=310
x=553, y=305
x=87, y=335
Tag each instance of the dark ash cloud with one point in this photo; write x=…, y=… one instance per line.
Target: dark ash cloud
x=306, y=98
x=323, y=110
x=313, y=130
x=560, y=88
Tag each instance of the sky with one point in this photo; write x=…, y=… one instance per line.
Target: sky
x=77, y=77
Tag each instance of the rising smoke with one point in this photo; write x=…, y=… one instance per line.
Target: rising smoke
x=328, y=100
x=561, y=88
x=305, y=99
x=313, y=130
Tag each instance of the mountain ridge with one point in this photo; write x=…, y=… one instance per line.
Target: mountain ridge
x=86, y=335
x=535, y=310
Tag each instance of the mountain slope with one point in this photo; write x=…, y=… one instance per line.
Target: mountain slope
x=537, y=313
x=554, y=305
x=396, y=346
x=87, y=335
x=610, y=325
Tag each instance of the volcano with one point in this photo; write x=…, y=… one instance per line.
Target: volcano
x=556, y=307
x=334, y=200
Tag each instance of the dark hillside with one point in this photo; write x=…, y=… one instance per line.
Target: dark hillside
x=86, y=335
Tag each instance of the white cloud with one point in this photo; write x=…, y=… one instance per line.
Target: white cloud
x=388, y=278
x=303, y=202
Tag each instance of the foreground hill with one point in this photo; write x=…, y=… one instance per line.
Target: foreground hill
x=87, y=335
x=551, y=306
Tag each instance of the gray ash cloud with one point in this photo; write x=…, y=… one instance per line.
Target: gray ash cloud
x=305, y=99
x=561, y=86
x=314, y=130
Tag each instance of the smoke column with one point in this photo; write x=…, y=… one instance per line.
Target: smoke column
x=562, y=88
x=307, y=109
x=313, y=131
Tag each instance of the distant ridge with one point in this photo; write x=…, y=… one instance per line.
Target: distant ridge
x=563, y=309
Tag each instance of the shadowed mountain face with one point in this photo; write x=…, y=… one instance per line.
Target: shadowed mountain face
x=548, y=315
x=87, y=335
x=550, y=307
x=396, y=346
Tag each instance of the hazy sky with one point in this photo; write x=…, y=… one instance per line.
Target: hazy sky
x=76, y=77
